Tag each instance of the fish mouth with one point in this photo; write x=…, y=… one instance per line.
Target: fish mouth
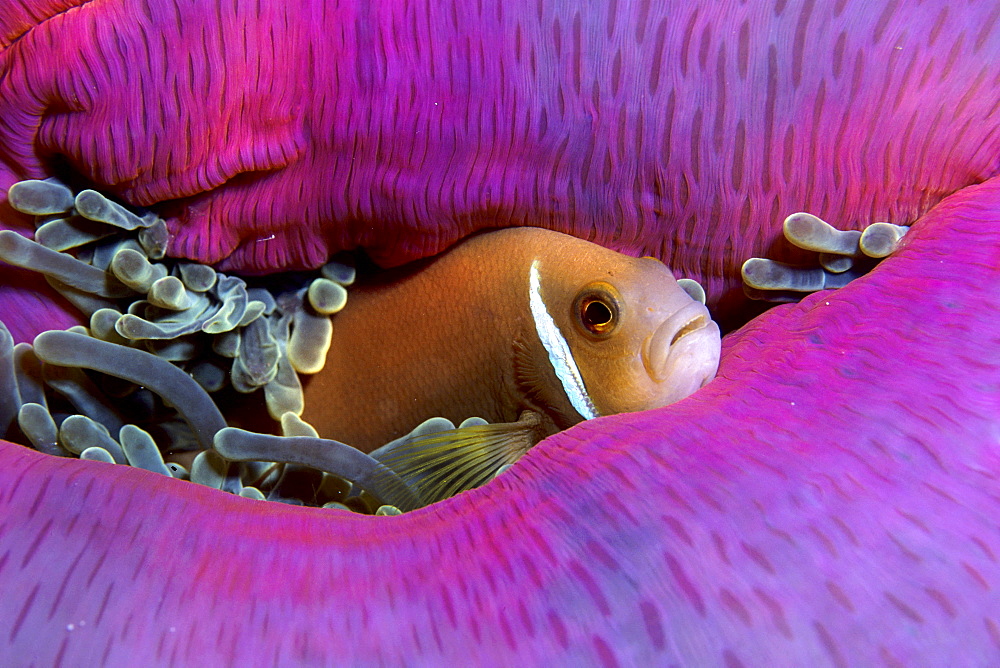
x=686, y=343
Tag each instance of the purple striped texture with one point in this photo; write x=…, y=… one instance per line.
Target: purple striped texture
x=830, y=500
x=666, y=128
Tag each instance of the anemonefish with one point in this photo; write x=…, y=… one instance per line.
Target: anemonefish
x=530, y=329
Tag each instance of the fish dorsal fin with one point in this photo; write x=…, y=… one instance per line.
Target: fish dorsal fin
x=441, y=464
x=560, y=356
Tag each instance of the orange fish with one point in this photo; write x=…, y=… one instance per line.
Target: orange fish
x=530, y=329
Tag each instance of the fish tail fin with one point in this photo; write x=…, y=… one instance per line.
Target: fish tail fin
x=441, y=464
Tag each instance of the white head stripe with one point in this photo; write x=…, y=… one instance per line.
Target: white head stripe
x=560, y=355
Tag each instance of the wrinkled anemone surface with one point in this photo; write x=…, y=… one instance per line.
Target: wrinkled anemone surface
x=830, y=498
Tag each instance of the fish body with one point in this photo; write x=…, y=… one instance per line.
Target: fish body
x=509, y=321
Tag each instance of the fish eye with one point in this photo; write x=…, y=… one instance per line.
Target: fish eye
x=596, y=314
x=596, y=310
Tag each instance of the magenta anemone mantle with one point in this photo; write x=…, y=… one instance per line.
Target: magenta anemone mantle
x=830, y=499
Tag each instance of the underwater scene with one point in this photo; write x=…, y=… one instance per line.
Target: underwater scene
x=433, y=333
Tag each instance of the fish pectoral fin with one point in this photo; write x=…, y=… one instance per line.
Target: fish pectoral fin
x=539, y=387
x=529, y=378
x=441, y=464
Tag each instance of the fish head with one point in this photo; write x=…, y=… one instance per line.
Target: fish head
x=636, y=337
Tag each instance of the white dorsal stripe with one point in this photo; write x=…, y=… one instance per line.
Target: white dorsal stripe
x=560, y=355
